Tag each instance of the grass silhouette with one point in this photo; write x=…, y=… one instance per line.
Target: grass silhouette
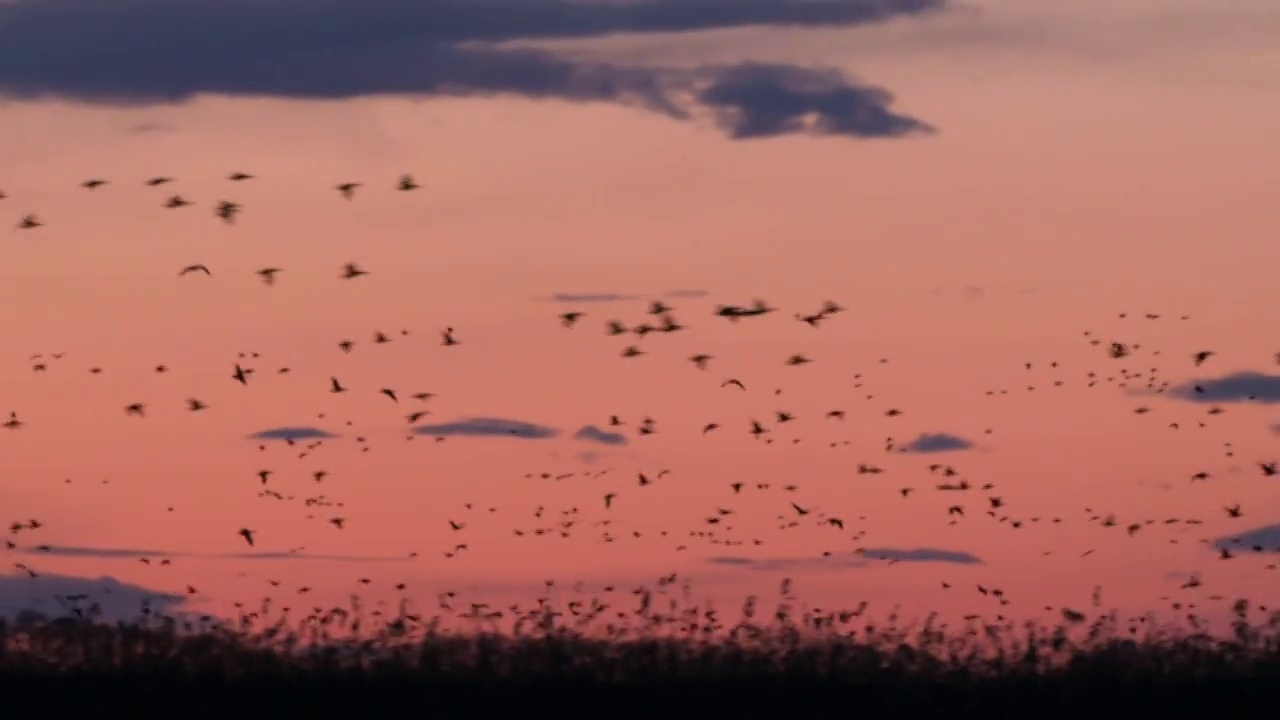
x=591, y=659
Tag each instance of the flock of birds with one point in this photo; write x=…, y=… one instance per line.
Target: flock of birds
x=658, y=319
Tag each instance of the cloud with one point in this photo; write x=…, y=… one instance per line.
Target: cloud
x=56, y=596
x=937, y=442
x=607, y=297
x=589, y=297
x=851, y=560
x=292, y=433
x=133, y=553
x=79, y=551
x=922, y=555
x=1267, y=537
x=307, y=556
x=1236, y=387
x=151, y=127
x=488, y=427
x=591, y=433
x=162, y=51
x=1275, y=428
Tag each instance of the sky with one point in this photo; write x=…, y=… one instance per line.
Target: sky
x=977, y=184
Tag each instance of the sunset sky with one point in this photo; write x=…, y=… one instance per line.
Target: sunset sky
x=977, y=183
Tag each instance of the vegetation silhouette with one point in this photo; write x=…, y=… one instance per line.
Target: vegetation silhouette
x=660, y=657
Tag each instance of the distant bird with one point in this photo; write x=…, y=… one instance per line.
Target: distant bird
x=351, y=271
x=348, y=189
x=247, y=534
x=194, y=268
x=239, y=176
x=93, y=184
x=157, y=181
x=176, y=201
x=406, y=183
x=29, y=222
x=268, y=275
x=227, y=210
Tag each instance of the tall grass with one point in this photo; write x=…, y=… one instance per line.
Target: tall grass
x=591, y=659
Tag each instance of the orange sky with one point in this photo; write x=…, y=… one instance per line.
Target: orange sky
x=1086, y=163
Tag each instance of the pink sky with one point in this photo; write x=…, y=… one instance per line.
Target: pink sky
x=1087, y=162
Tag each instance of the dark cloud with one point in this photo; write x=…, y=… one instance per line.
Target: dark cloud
x=937, y=442
x=56, y=596
x=1236, y=387
x=489, y=427
x=1267, y=537
x=922, y=555
x=606, y=297
x=590, y=297
x=162, y=51
x=133, y=553
x=292, y=433
x=851, y=560
x=307, y=556
x=78, y=551
x=151, y=127
x=591, y=433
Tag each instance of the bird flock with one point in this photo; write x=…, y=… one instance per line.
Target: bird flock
x=1124, y=363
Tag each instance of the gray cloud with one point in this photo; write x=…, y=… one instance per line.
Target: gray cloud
x=606, y=297
x=1235, y=387
x=591, y=433
x=923, y=555
x=851, y=560
x=937, y=442
x=79, y=551
x=590, y=297
x=161, y=51
x=1268, y=537
x=56, y=595
x=488, y=427
x=133, y=554
x=292, y=433
x=307, y=556
x=151, y=127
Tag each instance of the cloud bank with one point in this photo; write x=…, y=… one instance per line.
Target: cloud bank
x=937, y=442
x=292, y=433
x=851, y=560
x=1236, y=387
x=134, y=553
x=165, y=51
x=591, y=433
x=1267, y=537
x=607, y=297
x=56, y=596
x=488, y=427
